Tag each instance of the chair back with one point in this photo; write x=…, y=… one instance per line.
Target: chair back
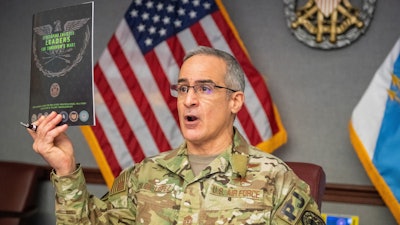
x=313, y=175
x=18, y=185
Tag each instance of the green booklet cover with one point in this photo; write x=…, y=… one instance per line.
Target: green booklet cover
x=62, y=64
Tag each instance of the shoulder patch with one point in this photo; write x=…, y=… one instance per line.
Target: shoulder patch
x=293, y=206
x=310, y=218
x=119, y=184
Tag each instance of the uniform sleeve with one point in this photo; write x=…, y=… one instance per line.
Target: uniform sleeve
x=75, y=205
x=294, y=204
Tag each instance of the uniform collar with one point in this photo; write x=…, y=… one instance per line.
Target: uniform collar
x=237, y=156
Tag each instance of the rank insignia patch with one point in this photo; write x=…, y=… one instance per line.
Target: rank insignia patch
x=119, y=184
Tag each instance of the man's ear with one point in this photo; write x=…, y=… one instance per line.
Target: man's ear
x=237, y=101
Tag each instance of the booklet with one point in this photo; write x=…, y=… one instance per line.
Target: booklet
x=62, y=64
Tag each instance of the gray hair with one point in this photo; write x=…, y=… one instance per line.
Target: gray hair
x=234, y=77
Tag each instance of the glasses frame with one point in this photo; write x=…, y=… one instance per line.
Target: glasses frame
x=175, y=87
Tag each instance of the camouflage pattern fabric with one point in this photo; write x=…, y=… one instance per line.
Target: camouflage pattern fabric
x=241, y=186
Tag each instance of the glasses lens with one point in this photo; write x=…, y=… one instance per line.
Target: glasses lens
x=174, y=90
x=206, y=89
x=183, y=89
x=201, y=89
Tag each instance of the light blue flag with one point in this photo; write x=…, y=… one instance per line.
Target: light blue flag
x=375, y=130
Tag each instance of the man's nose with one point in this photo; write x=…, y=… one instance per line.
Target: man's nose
x=191, y=97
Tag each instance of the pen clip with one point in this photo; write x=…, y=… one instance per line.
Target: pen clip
x=24, y=124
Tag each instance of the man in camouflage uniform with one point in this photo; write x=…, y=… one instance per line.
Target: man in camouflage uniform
x=214, y=177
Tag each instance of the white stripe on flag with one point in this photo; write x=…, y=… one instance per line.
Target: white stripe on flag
x=128, y=105
x=187, y=40
x=167, y=62
x=112, y=132
x=145, y=78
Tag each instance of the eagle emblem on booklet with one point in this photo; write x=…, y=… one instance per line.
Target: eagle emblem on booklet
x=62, y=64
x=57, y=45
x=328, y=24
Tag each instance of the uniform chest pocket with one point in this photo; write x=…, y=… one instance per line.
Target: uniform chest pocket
x=155, y=207
x=157, y=195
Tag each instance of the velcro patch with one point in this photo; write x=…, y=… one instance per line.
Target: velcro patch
x=119, y=184
x=310, y=218
x=293, y=206
x=236, y=192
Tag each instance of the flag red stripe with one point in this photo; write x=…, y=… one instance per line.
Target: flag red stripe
x=199, y=34
x=106, y=148
x=178, y=53
x=259, y=87
x=162, y=82
x=177, y=49
x=248, y=125
x=139, y=96
x=257, y=82
x=118, y=116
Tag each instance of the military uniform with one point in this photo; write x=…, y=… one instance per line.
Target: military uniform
x=241, y=186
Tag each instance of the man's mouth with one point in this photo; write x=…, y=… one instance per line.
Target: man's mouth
x=190, y=118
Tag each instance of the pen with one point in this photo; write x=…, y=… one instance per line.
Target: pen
x=29, y=126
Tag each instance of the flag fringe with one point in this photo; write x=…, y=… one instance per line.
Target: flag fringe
x=277, y=139
x=98, y=155
x=376, y=179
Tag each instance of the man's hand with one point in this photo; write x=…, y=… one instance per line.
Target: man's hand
x=51, y=142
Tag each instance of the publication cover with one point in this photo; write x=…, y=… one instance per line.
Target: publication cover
x=62, y=64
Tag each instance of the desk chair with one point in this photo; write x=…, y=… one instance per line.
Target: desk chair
x=18, y=183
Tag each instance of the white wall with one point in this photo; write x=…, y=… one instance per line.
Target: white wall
x=315, y=90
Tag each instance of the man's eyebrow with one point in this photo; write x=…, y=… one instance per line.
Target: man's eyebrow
x=184, y=80
x=204, y=81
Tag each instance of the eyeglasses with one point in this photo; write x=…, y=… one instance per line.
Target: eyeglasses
x=178, y=90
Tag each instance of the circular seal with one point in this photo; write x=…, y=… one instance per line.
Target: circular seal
x=73, y=116
x=310, y=218
x=84, y=116
x=64, y=116
x=55, y=90
x=320, y=24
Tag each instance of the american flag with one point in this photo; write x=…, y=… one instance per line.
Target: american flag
x=136, y=115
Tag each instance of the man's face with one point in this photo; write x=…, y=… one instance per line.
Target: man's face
x=204, y=118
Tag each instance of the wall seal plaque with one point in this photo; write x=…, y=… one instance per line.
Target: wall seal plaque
x=328, y=24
